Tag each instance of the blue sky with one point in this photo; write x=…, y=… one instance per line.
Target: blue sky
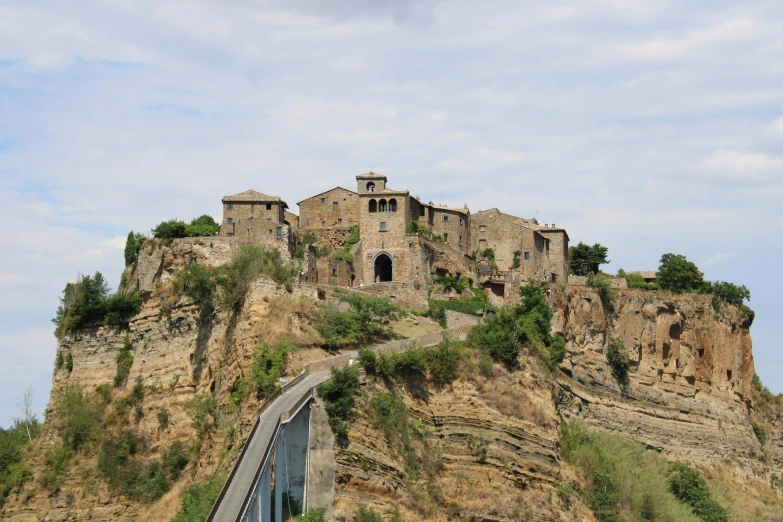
x=647, y=126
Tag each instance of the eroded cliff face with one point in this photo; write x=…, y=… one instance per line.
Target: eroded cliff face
x=689, y=388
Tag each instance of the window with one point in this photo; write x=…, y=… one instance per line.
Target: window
x=252, y=209
x=335, y=206
x=373, y=207
x=382, y=205
x=334, y=271
x=527, y=255
x=482, y=244
x=339, y=221
x=460, y=240
x=279, y=231
x=269, y=206
x=370, y=187
x=421, y=210
x=230, y=221
x=483, y=228
x=382, y=226
x=392, y=205
x=445, y=218
x=230, y=234
x=460, y=221
x=270, y=230
x=230, y=206
x=445, y=238
x=323, y=200
x=323, y=222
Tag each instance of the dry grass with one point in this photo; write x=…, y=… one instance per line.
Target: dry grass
x=285, y=318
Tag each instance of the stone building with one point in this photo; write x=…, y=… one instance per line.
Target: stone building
x=387, y=252
x=337, y=207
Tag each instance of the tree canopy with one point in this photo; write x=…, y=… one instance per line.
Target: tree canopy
x=678, y=275
x=202, y=226
x=584, y=259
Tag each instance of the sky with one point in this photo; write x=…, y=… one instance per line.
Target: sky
x=647, y=126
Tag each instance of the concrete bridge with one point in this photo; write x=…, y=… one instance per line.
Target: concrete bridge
x=272, y=472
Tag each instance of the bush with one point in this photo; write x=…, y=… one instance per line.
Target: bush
x=344, y=256
x=338, y=396
x=618, y=359
x=175, y=458
x=196, y=282
x=69, y=362
x=203, y=410
x=517, y=261
x=59, y=360
x=443, y=362
x=367, y=359
x=267, y=366
x=366, y=514
x=124, y=363
x=76, y=416
x=600, y=283
x=163, y=418
x=13, y=471
x=415, y=228
x=202, y=226
x=678, y=275
x=528, y=324
x=366, y=319
x=638, y=282
x=251, y=261
x=57, y=461
x=198, y=499
x=760, y=432
x=450, y=283
x=689, y=486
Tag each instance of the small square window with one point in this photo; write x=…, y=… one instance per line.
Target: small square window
x=445, y=218
x=230, y=206
x=382, y=226
x=334, y=271
x=269, y=206
x=527, y=255
x=323, y=222
x=323, y=200
x=230, y=221
x=445, y=238
x=279, y=231
x=270, y=230
x=230, y=234
x=335, y=206
x=339, y=221
x=483, y=228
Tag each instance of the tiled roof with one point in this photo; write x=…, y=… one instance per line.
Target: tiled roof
x=251, y=195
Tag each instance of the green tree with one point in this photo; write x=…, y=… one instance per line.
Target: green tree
x=678, y=275
x=171, y=229
x=338, y=396
x=202, y=226
x=132, y=247
x=584, y=259
x=196, y=282
x=730, y=293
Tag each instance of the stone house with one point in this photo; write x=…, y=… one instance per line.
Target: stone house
x=337, y=207
x=240, y=208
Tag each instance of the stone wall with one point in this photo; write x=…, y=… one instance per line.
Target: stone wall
x=405, y=293
x=614, y=281
x=334, y=272
x=557, y=253
x=384, y=233
x=319, y=211
x=242, y=212
x=333, y=237
x=505, y=236
x=454, y=226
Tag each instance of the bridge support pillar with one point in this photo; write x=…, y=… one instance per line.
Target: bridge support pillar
x=297, y=445
x=279, y=475
x=265, y=494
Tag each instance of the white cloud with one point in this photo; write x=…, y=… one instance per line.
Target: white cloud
x=741, y=167
x=716, y=259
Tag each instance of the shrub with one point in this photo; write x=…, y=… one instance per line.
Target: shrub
x=104, y=392
x=444, y=362
x=488, y=254
x=13, y=471
x=338, y=396
x=638, y=282
x=77, y=417
x=69, y=362
x=386, y=364
x=450, y=283
x=316, y=515
x=517, y=262
x=198, y=499
x=175, y=458
x=203, y=410
x=163, y=418
x=353, y=237
x=267, y=366
x=618, y=359
x=367, y=359
x=415, y=228
x=689, y=486
x=677, y=274
x=250, y=262
x=344, y=256
x=57, y=461
x=366, y=319
x=513, y=326
x=196, y=282
x=124, y=363
x=600, y=283
x=59, y=360
x=760, y=432
x=366, y=514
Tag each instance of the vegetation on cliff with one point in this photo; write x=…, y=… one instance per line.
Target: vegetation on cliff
x=366, y=319
x=584, y=259
x=202, y=226
x=514, y=326
x=88, y=302
x=15, y=444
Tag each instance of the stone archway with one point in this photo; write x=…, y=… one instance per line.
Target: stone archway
x=383, y=268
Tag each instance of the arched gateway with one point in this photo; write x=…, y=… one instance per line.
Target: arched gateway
x=383, y=268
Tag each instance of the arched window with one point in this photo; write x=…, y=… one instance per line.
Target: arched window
x=373, y=206
x=370, y=186
x=392, y=205
x=382, y=205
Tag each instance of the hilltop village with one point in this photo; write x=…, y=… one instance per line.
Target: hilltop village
x=401, y=238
